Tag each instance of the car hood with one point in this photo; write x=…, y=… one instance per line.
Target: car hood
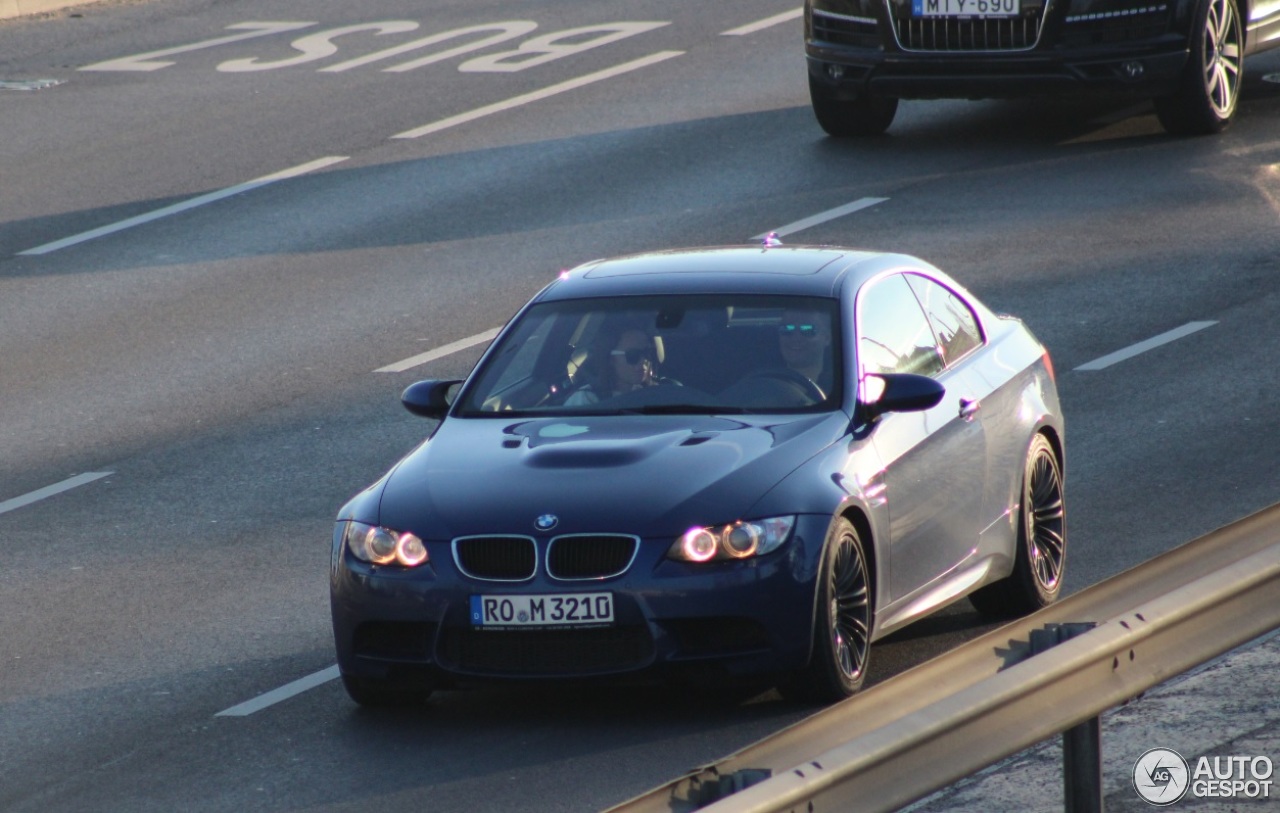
x=646, y=475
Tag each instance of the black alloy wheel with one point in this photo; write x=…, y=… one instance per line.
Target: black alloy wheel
x=842, y=623
x=1046, y=523
x=1041, y=552
x=1206, y=100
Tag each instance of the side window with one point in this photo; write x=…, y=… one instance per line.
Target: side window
x=952, y=319
x=893, y=334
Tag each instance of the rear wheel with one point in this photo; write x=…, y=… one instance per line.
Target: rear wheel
x=860, y=116
x=1206, y=98
x=842, y=626
x=1036, y=580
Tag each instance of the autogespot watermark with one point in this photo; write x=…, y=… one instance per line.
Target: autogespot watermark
x=1161, y=777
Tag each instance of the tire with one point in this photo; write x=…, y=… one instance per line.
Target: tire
x=1036, y=580
x=844, y=118
x=380, y=694
x=1210, y=88
x=842, y=623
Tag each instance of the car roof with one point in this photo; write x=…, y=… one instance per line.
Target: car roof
x=797, y=270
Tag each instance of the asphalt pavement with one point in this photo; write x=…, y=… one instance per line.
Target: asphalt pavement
x=1222, y=711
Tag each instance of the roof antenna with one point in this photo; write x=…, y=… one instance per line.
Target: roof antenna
x=771, y=240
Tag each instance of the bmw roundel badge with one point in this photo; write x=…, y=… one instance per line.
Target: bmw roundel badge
x=546, y=522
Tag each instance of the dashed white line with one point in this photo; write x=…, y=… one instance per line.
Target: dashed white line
x=821, y=217
x=49, y=491
x=293, y=172
x=439, y=352
x=768, y=22
x=1142, y=347
x=538, y=95
x=285, y=692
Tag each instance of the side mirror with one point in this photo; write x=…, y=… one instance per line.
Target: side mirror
x=428, y=399
x=898, y=392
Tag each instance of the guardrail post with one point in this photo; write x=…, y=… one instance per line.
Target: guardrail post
x=1081, y=744
x=1082, y=767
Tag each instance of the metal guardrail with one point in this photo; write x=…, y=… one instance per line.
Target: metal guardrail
x=989, y=698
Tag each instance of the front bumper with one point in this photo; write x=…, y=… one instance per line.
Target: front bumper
x=850, y=74
x=883, y=48
x=672, y=620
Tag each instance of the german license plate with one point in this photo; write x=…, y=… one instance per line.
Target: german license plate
x=556, y=610
x=965, y=8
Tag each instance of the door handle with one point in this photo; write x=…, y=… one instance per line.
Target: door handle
x=969, y=408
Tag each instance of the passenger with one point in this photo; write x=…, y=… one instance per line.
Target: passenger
x=803, y=339
x=632, y=364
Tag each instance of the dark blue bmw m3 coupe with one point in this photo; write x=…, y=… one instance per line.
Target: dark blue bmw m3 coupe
x=739, y=463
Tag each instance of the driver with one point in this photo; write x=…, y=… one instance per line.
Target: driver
x=803, y=339
x=632, y=364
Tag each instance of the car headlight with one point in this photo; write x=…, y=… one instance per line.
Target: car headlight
x=383, y=546
x=737, y=540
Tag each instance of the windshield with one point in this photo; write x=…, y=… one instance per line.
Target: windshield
x=664, y=355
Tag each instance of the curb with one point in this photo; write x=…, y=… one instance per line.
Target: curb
x=23, y=8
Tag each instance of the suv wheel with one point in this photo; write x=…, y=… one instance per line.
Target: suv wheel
x=861, y=116
x=1210, y=87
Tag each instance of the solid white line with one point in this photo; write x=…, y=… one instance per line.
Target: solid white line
x=537, y=95
x=821, y=217
x=49, y=491
x=768, y=22
x=280, y=695
x=439, y=352
x=185, y=205
x=1142, y=347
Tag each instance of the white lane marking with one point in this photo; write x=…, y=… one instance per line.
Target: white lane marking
x=150, y=60
x=314, y=47
x=538, y=95
x=112, y=228
x=49, y=491
x=556, y=45
x=439, y=352
x=821, y=217
x=506, y=31
x=768, y=22
x=1142, y=347
x=285, y=692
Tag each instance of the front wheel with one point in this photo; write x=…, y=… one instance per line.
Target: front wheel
x=1036, y=580
x=842, y=623
x=861, y=116
x=1209, y=89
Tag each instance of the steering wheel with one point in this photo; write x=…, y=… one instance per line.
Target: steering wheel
x=789, y=376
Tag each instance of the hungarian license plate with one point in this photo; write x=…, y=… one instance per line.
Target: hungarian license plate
x=556, y=610
x=965, y=8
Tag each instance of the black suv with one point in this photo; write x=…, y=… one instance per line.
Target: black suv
x=865, y=55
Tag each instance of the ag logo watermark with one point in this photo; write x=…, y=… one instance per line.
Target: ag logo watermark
x=1161, y=777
